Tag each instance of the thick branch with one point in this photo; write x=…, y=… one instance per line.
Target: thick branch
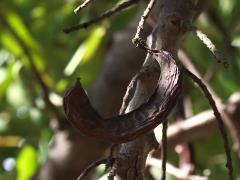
x=201, y=125
x=168, y=34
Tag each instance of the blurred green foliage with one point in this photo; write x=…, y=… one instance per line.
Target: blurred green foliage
x=24, y=119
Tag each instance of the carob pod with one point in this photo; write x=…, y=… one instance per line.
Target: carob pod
x=127, y=127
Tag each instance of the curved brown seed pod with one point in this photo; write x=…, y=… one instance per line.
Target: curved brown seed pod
x=126, y=127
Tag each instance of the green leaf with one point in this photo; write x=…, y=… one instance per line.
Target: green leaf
x=236, y=42
x=18, y=25
x=8, y=42
x=86, y=50
x=9, y=69
x=45, y=140
x=26, y=163
x=226, y=6
x=16, y=95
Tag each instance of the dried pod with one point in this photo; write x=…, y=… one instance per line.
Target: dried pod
x=129, y=126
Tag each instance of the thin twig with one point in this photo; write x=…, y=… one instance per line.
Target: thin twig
x=81, y=6
x=107, y=14
x=203, y=37
x=137, y=40
x=34, y=69
x=111, y=155
x=226, y=35
x=112, y=150
x=186, y=150
x=188, y=63
x=209, y=75
x=113, y=170
x=231, y=123
x=219, y=120
x=215, y=20
x=164, y=149
x=92, y=166
x=129, y=94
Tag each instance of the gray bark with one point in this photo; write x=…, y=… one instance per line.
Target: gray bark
x=167, y=35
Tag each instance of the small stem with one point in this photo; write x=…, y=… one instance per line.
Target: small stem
x=105, y=15
x=92, y=166
x=129, y=94
x=164, y=149
x=218, y=117
x=137, y=40
x=203, y=37
x=83, y=5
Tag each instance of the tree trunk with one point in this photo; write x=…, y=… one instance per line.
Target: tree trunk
x=167, y=35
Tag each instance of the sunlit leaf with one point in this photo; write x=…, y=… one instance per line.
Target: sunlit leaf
x=226, y=6
x=4, y=121
x=18, y=25
x=16, y=94
x=8, y=71
x=236, y=42
x=9, y=42
x=62, y=85
x=86, y=50
x=38, y=12
x=35, y=115
x=44, y=144
x=26, y=163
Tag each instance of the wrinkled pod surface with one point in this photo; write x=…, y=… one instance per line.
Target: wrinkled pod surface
x=127, y=127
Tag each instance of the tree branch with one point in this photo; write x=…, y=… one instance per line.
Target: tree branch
x=201, y=125
x=106, y=161
x=137, y=40
x=164, y=149
x=170, y=169
x=83, y=5
x=203, y=37
x=219, y=120
x=167, y=35
x=105, y=15
x=233, y=125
